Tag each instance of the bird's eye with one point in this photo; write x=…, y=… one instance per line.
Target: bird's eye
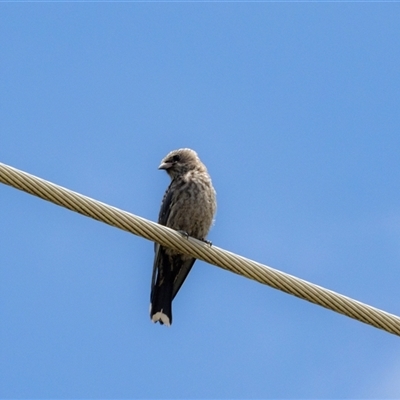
x=176, y=158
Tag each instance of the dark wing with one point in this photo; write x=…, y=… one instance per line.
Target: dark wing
x=181, y=274
x=162, y=219
x=156, y=262
x=182, y=267
x=166, y=205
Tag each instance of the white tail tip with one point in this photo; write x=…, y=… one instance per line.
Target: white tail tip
x=160, y=316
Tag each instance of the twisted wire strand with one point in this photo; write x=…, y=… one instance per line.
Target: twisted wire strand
x=198, y=249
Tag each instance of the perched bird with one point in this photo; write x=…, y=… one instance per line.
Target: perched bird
x=189, y=206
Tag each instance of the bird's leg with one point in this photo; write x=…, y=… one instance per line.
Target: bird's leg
x=209, y=242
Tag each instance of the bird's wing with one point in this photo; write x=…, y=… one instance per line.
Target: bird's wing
x=162, y=219
x=182, y=267
x=180, y=271
x=166, y=205
x=155, y=269
x=181, y=274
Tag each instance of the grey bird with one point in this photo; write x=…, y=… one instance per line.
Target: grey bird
x=189, y=206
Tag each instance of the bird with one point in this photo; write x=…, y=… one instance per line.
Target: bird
x=188, y=206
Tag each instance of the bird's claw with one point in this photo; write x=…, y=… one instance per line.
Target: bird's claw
x=187, y=236
x=208, y=242
x=183, y=233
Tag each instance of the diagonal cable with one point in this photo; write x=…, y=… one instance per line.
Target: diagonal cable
x=211, y=254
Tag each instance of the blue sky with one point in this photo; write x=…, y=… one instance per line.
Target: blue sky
x=293, y=107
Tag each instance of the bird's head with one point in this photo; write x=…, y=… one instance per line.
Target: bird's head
x=178, y=162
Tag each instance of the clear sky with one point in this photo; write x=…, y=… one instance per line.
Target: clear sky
x=295, y=110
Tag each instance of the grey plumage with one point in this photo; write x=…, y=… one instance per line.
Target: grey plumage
x=189, y=205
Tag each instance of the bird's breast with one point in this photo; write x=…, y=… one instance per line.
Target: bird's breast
x=193, y=207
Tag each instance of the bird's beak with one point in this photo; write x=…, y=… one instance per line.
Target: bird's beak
x=165, y=165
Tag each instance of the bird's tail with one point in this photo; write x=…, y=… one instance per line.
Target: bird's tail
x=161, y=291
x=161, y=304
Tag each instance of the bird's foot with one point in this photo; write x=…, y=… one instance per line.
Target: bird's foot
x=209, y=242
x=183, y=233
